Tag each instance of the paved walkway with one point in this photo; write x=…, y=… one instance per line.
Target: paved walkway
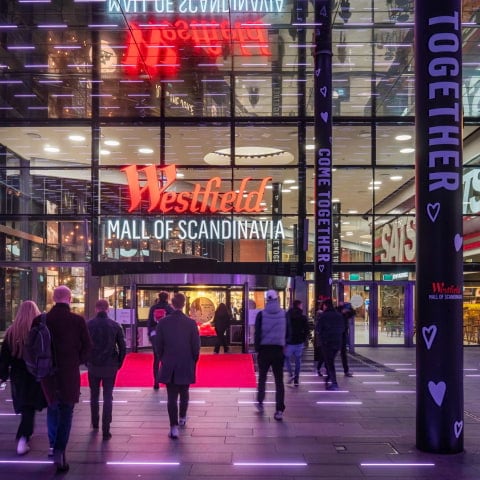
x=324, y=435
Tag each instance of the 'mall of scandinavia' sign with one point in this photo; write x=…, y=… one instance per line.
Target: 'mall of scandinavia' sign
x=202, y=213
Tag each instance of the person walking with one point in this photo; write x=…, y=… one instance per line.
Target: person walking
x=297, y=334
x=27, y=394
x=71, y=346
x=331, y=326
x=348, y=313
x=178, y=347
x=221, y=322
x=270, y=332
x=106, y=358
x=318, y=358
x=158, y=310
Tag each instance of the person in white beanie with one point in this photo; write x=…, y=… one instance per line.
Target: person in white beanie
x=270, y=336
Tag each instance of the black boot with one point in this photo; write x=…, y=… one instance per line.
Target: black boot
x=59, y=461
x=106, y=432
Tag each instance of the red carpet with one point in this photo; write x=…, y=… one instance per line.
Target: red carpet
x=233, y=370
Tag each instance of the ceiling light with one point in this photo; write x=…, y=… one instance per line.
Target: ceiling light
x=76, y=138
x=407, y=150
x=145, y=150
x=49, y=149
x=250, y=156
x=403, y=138
x=309, y=147
x=112, y=143
x=104, y=152
x=289, y=180
x=396, y=178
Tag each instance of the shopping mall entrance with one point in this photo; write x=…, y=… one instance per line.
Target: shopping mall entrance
x=201, y=303
x=384, y=311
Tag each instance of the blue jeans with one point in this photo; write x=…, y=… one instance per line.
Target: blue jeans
x=59, y=424
x=296, y=351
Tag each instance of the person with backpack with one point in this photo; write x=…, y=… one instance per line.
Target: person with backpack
x=71, y=346
x=158, y=310
x=297, y=334
x=27, y=394
x=106, y=358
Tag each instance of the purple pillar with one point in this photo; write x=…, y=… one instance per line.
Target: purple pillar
x=439, y=281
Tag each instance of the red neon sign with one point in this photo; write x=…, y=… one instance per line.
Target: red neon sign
x=154, y=48
x=156, y=180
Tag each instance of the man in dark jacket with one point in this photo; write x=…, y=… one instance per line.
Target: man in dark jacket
x=297, y=334
x=178, y=346
x=71, y=346
x=330, y=325
x=348, y=314
x=158, y=310
x=106, y=358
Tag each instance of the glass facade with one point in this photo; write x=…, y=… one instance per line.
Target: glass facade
x=138, y=137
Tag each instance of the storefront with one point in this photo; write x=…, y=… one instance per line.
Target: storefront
x=171, y=144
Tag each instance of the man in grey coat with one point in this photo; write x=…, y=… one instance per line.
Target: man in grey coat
x=178, y=347
x=270, y=335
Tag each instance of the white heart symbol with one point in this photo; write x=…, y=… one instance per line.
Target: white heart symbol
x=437, y=391
x=458, y=427
x=323, y=91
x=321, y=268
x=458, y=241
x=429, y=334
x=324, y=116
x=317, y=72
x=433, y=209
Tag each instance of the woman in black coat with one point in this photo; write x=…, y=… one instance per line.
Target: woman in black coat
x=221, y=322
x=27, y=394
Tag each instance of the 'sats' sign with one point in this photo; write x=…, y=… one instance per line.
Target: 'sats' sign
x=153, y=182
x=154, y=48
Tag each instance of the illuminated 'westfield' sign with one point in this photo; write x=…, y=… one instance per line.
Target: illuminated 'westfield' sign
x=154, y=181
x=153, y=48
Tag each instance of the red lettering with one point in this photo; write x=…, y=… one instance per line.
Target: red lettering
x=151, y=182
x=154, y=49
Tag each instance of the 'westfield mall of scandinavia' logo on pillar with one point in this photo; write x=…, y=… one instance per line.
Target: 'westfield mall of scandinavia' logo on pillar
x=440, y=291
x=153, y=182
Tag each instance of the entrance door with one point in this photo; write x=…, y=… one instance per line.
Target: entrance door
x=384, y=312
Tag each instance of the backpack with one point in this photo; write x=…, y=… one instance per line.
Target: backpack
x=38, y=353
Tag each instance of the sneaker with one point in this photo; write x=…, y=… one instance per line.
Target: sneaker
x=182, y=421
x=156, y=386
x=259, y=406
x=295, y=383
x=291, y=379
x=173, y=433
x=320, y=374
x=348, y=374
x=50, y=452
x=278, y=415
x=333, y=386
x=22, y=446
